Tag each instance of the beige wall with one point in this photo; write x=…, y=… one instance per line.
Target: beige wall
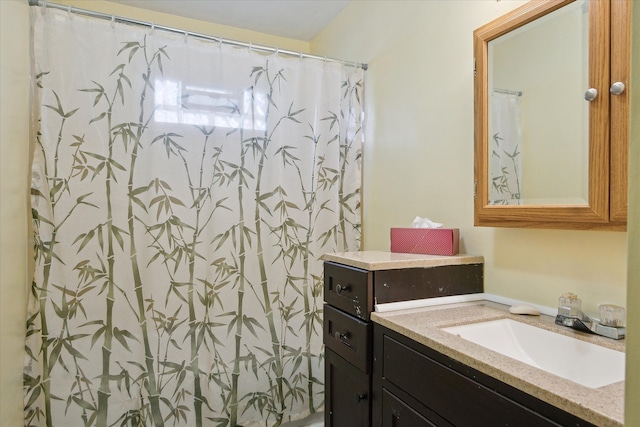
x=632, y=413
x=14, y=127
x=418, y=156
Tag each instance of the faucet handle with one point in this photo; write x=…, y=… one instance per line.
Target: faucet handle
x=612, y=315
x=572, y=303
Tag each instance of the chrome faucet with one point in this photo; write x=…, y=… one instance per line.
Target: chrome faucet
x=571, y=315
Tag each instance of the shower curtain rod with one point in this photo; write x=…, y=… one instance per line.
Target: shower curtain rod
x=508, y=92
x=121, y=19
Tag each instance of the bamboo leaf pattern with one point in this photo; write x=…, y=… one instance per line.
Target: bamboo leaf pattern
x=180, y=211
x=506, y=160
x=506, y=184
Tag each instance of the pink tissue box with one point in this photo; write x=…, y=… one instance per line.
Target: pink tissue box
x=431, y=241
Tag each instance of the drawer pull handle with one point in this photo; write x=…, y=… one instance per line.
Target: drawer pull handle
x=357, y=398
x=341, y=337
x=342, y=288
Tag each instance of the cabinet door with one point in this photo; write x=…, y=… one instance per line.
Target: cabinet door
x=620, y=59
x=396, y=413
x=544, y=192
x=347, y=393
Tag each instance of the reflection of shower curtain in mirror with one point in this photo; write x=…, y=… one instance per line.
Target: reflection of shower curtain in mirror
x=505, y=158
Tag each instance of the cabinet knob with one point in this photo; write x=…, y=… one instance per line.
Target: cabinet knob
x=591, y=94
x=357, y=398
x=617, y=88
x=341, y=337
x=341, y=288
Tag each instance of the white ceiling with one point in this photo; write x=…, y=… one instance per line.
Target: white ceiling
x=295, y=19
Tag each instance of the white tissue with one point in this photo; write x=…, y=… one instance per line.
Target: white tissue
x=424, y=223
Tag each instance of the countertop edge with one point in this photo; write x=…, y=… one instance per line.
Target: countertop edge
x=380, y=260
x=599, y=406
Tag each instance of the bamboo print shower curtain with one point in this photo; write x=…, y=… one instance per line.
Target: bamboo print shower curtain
x=182, y=194
x=506, y=148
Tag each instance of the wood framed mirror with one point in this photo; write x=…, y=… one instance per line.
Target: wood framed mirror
x=544, y=115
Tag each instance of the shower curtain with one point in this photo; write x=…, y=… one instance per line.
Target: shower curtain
x=183, y=192
x=506, y=139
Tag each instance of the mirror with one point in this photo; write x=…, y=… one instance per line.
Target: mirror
x=538, y=119
x=541, y=149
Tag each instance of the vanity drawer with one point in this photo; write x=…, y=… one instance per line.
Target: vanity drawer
x=349, y=289
x=348, y=336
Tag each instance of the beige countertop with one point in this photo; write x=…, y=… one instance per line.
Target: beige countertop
x=603, y=406
x=381, y=260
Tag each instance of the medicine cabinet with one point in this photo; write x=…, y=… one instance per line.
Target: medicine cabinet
x=551, y=116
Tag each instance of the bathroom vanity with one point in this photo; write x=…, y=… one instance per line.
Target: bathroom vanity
x=404, y=368
x=353, y=283
x=426, y=376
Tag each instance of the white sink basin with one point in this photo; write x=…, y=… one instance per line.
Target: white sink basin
x=579, y=361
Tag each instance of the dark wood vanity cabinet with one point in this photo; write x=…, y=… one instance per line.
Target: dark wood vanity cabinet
x=347, y=337
x=414, y=385
x=350, y=294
